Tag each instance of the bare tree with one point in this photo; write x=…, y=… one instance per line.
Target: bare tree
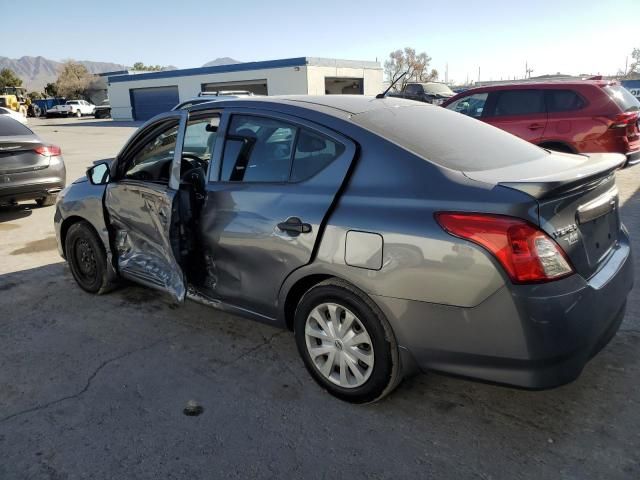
x=73, y=81
x=416, y=65
x=634, y=68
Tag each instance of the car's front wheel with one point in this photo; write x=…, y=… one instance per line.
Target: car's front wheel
x=346, y=342
x=86, y=257
x=78, y=113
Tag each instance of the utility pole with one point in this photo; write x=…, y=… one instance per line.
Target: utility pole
x=527, y=70
x=478, y=73
x=446, y=73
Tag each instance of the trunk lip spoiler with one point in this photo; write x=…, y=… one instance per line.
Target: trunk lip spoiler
x=541, y=187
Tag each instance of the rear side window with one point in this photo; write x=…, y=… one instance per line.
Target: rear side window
x=413, y=89
x=563, y=101
x=258, y=149
x=623, y=98
x=10, y=127
x=519, y=102
x=313, y=153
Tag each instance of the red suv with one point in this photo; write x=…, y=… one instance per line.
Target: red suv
x=582, y=116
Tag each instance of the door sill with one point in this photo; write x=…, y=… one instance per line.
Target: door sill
x=197, y=295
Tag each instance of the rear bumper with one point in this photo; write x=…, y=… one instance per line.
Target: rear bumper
x=32, y=191
x=15, y=187
x=530, y=336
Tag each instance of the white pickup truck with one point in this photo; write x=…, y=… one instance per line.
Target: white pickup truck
x=76, y=108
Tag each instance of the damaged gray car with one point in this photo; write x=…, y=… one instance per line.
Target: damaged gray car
x=389, y=236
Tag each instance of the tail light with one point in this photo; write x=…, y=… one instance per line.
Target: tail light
x=48, y=150
x=624, y=120
x=526, y=253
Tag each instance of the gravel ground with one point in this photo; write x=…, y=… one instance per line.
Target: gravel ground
x=95, y=387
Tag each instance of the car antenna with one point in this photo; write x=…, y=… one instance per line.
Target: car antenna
x=384, y=94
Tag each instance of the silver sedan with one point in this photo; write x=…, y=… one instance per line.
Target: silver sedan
x=389, y=236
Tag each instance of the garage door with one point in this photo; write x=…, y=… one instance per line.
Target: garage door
x=147, y=102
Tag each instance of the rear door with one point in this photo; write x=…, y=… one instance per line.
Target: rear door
x=141, y=203
x=566, y=121
x=273, y=182
x=521, y=112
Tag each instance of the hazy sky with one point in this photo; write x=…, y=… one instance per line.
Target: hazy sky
x=569, y=36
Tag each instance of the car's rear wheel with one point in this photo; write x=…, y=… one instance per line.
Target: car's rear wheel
x=346, y=342
x=86, y=257
x=46, y=201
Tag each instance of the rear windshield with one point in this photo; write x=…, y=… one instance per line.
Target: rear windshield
x=447, y=138
x=10, y=127
x=623, y=98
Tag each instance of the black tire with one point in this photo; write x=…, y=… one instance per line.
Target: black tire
x=78, y=113
x=386, y=372
x=86, y=257
x=46, y=201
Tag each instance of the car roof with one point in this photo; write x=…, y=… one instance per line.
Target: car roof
x=542, y=84
x=336, y=105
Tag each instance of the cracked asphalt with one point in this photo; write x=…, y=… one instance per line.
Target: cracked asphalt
x=94, y=387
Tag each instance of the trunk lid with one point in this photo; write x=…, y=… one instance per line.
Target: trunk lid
x=17, y=155
x=577, y=202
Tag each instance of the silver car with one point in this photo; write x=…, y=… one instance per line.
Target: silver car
x=30, y=168
x=389, y=236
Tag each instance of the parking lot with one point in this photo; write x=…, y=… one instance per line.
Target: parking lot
x=95, y=387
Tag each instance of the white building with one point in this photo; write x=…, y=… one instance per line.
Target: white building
x=143, y=95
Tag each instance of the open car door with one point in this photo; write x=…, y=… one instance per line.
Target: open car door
x=141, y=205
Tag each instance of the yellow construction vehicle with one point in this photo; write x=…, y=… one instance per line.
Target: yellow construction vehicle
x=15, y=98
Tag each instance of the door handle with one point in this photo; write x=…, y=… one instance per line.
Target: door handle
x=295, y=226
x=535, y=126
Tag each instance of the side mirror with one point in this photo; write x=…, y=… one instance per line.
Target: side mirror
x=99, y=174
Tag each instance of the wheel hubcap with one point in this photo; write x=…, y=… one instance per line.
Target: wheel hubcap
x=86, y=259
x=339, y=345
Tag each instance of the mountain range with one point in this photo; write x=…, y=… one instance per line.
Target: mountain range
x=221, y=61
x=36, y=72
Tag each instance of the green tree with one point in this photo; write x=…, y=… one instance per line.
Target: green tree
x=147, y=68
x=34, y=95
x=51, y=90
x=73, y=81
x=8, y=78
x=416, y=65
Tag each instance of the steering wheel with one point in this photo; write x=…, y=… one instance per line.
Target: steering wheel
x=199, y=161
